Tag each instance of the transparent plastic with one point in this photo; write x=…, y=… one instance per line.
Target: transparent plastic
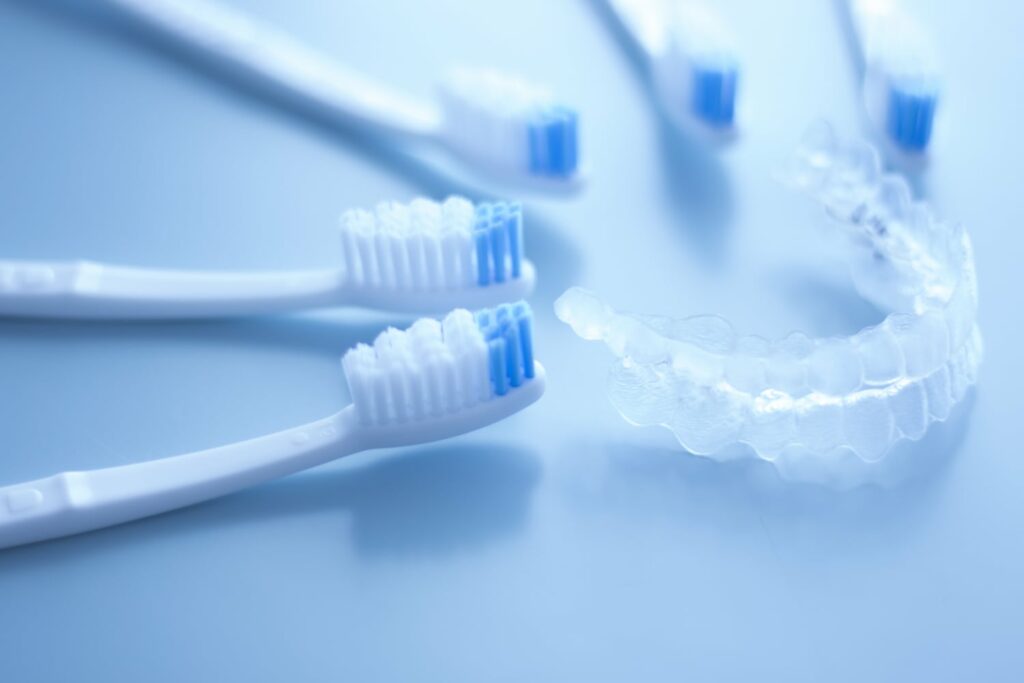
x=813, y=396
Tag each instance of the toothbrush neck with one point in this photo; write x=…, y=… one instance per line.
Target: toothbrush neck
x=169, y=483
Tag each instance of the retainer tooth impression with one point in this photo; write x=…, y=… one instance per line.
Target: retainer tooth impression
x=802, y=400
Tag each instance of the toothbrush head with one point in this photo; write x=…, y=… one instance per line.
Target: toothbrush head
x=442, y=378
x=909, y=114
x=696, y=72
x=427, y=257
x=512, y=128
x=901, y=80
x=714, y=91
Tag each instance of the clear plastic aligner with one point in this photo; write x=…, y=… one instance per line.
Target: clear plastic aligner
x=798, y=396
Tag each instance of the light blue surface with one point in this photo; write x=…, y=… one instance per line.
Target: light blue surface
x=562, y=544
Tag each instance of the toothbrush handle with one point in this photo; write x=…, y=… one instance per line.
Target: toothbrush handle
x=240, y=42
x=81, y=289
x=644, y=20
x=73, y=502
x=861, y=15
x=86, y=290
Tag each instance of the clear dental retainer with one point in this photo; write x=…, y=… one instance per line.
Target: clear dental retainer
x=804, y=402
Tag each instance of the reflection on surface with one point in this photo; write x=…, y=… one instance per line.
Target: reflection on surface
x=428, y=501
x=646, y=475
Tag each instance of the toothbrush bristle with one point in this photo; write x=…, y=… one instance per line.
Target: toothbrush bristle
x=714, y=92
x=510, y=124
x=553, y=132
x=440, y=367
x=911, y=110
x=508, y=330
x=430, y=246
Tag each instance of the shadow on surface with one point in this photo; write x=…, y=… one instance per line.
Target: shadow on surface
x=430, y=501
x=322, y=335
x=830, y=308
x=697, y=185
x=882, y=509
x=557, y=258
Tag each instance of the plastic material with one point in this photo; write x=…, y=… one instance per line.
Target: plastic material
x=901, y=74
x=421, y=257
x=799, y=398
x=277, y=60
x=435, y=381
x=693, y=62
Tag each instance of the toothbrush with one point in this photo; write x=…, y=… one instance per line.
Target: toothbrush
x=901, y=76
x=421, y=257
x=495, y=123
x=433, y=381
x=692, y=60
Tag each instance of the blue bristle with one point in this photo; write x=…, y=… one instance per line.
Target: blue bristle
x=499, y=238
x=499, y=376
x=508, y=331
x=536, y=139
x=514, y=226
x=910, y=115
x=484, y=245
x=483, y=250
x=484, y=319
x=553, y=141
x=714, y=92
x=524, y=317
x=502, y=313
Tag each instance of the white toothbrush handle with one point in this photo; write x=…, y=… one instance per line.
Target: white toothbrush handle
x=861, y=15
x=883, y=28
x=73, y=502
x=268, y=54
x=82, y=289
x=644, y=20
x=86, y=290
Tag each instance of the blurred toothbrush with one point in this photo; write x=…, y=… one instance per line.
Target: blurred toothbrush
x=694, y=67
x=421, y=257
x=498, y=124
x=433, y=381
x=901, y=75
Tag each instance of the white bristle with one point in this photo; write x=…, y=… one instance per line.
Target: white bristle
x=425, y=216
x=382, y=251
x=474, y=382
x=450, y=253
x=486, y=114
x=434, y=268
x=433, y=363
x=458, y=213
x=358, y=363
x=417, y=261
x=350, y=254
x=423, y=246
x=363, y=230
x=399, y=261
x=431, y=369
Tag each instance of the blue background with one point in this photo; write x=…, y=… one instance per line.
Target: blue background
x=561, y=544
